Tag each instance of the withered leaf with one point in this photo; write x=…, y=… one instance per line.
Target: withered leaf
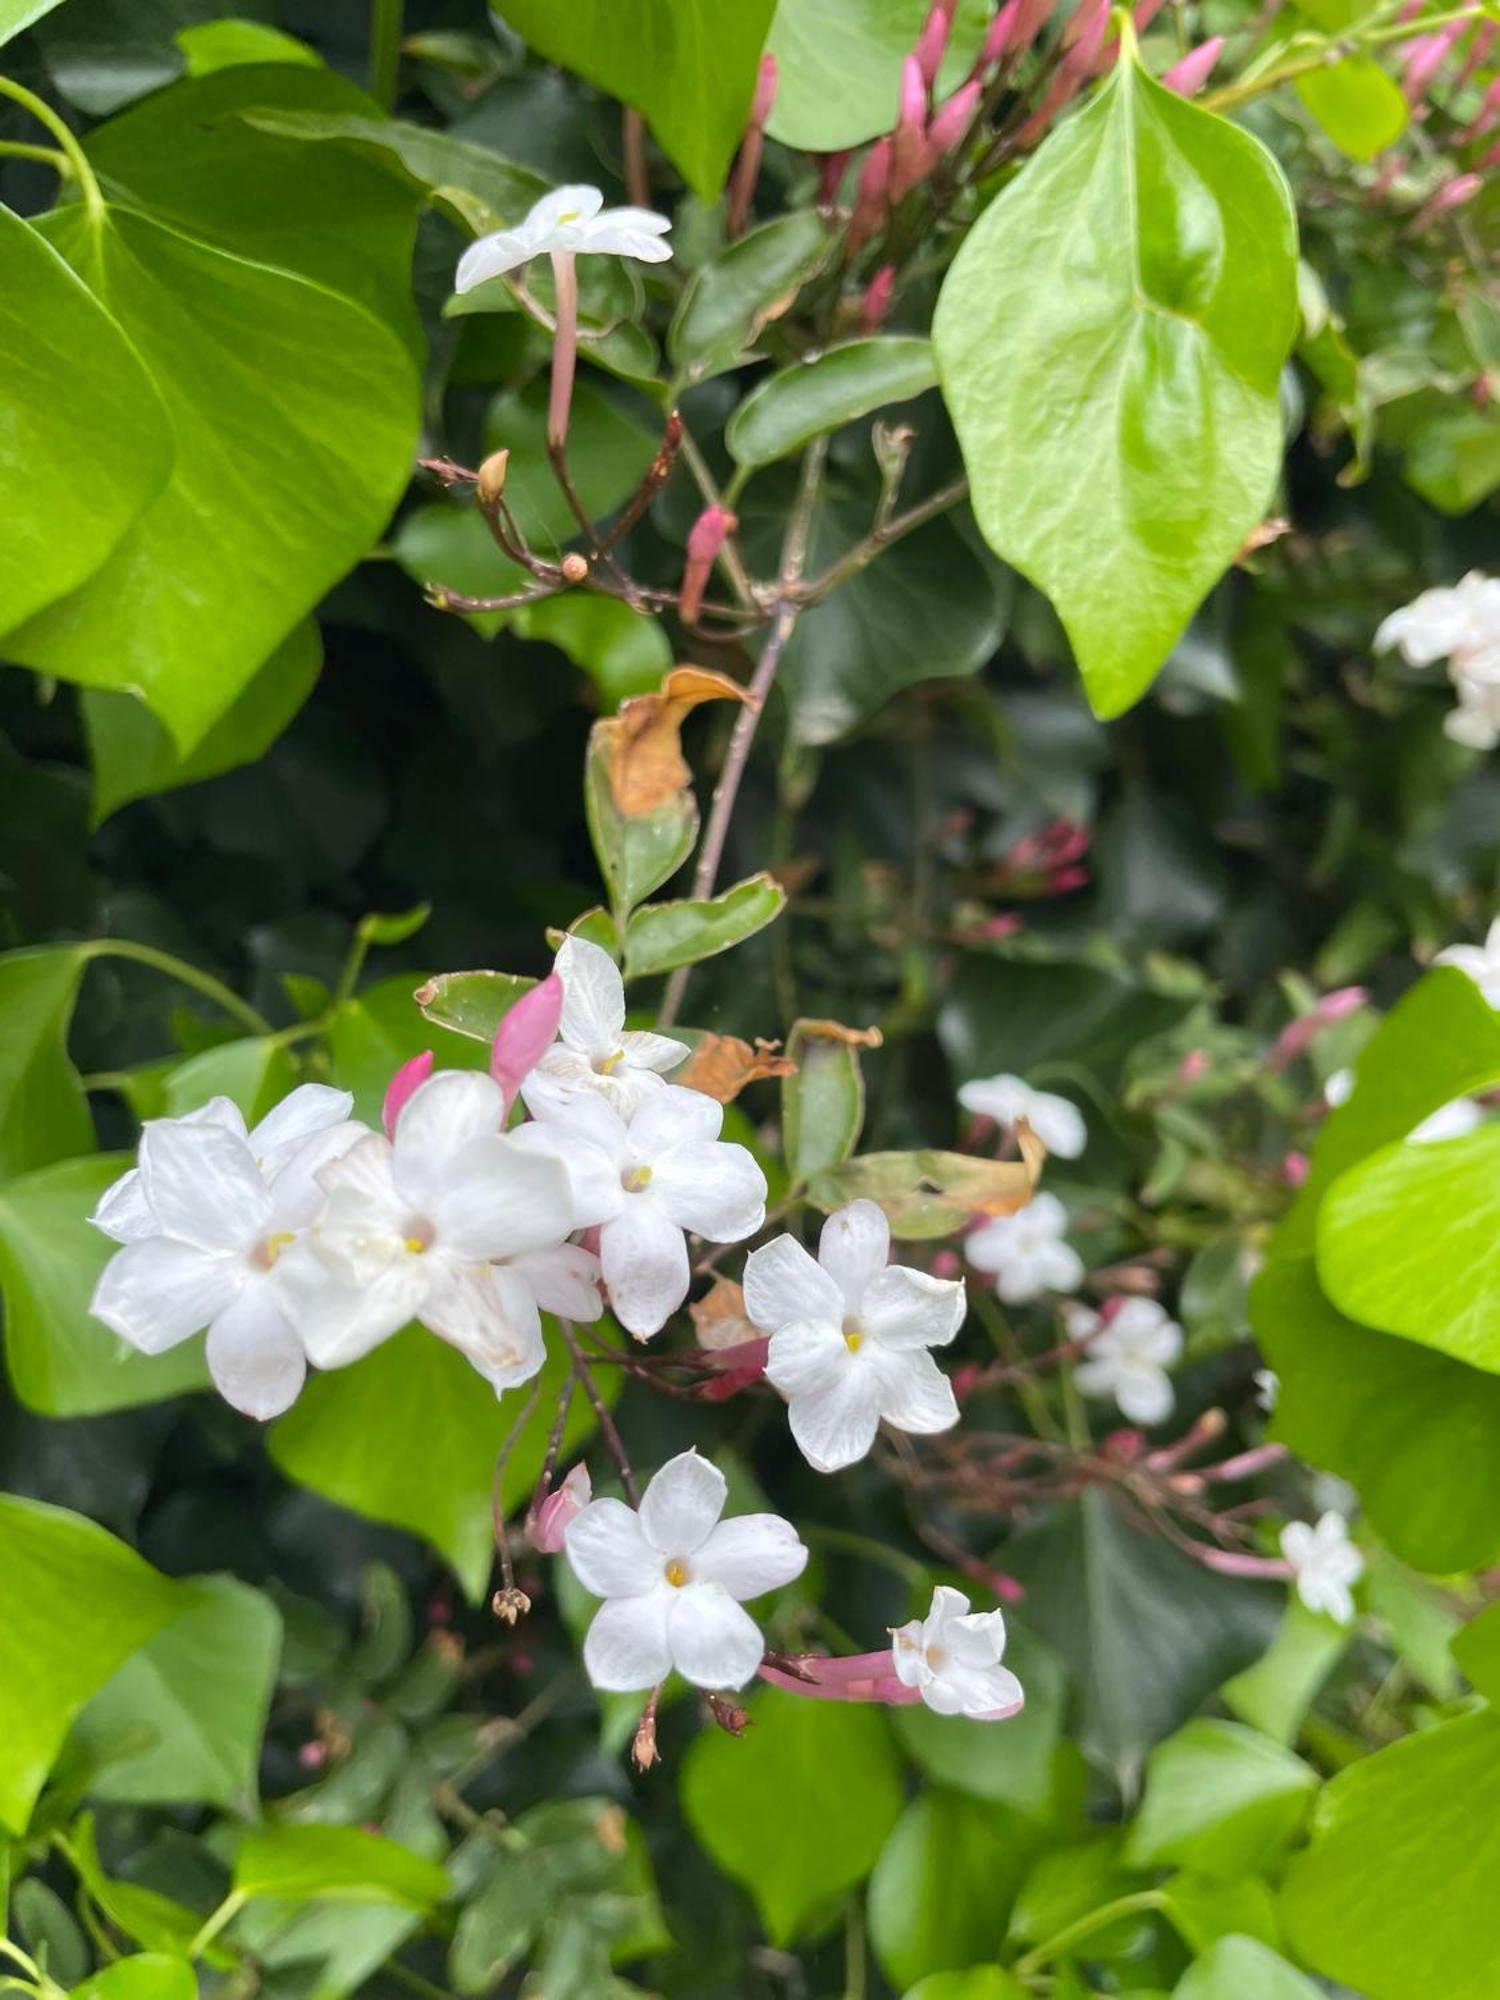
x=721, y=1065
x=643, y=743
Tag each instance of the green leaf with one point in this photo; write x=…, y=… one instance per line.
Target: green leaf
x=208, y=46
x=1110, y=339
x=1008, y=1014
x=18, y=14
x=410, y=1436
x=624, y=652
x=1477, y=1650
x=822, y=1101
x=1202, y=1909
x=151, y=1976
x=942, y=1889
x=661, y=936
x=49, y=1930
x=145, y=1916
x=1401, y=1836
x=638, y=854
x=1453, y=459
x=62, y=1363
x=980, y=1982
x=1220, y=1799
x=688, y=67
x=44, y=1115
x=798, y=1809
x=1357, y=104
x=924, y=1194
x=254, y=1074
x=300, y=1864
x=734, y=296
x=133, y=756
x=371, y=1038
x=80, y=404
x=1237, y=1967
x=74, y=1604
x=838, y=386
x=839, y=66
x=191, y=1704
x=1275, y=1694
x=471, y=1003
x=291, y=452
x=1009, y=1765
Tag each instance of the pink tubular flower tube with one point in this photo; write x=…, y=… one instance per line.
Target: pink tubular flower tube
x=747, y=167
x=932, y=43
x=997, y=42
x=1452, y=194
x=871, y=194
x=951, y=122
x=525, y=1035
x=563, y=1504
x=1298, y=1037
x=409, y=1078
x=1188, y=77
x=705, y=539
x=1425, y=57
x=909, y=141
x=564, y=347
x=877, y=299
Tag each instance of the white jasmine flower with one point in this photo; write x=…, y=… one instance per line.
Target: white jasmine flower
x=1056, y=1122
x=205, y=1220
x=595, y=1050
x=1480, y=961
x=572, y=220
x=952, y=1657
x=1326, y=1564
x=1450, y=1121
x=411, y=1228
x=673, y=1578
x=646, y=1181
x=850, y=1334
x=1267, y=1388
x=1026, y=1251
x=1339, y=1088
x=1461, y=622
x=1128, y=1359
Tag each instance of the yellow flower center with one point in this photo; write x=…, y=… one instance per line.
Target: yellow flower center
x=854, y=1335
x=607, y=1065
x=635, y=1179
x=267, y=1252
x=570, y=215
x=414, y=1245
x=677, y=1572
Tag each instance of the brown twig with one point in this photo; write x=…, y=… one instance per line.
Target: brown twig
x=613, y=1443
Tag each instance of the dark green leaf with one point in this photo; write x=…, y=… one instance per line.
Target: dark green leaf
x=746, y=287
x=660, y=936
x=44, y=1115
x=818, y=396
x=822, y=1101
x=941, y=1893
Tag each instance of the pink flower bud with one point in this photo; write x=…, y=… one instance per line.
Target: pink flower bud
x=1485, y=117
x=1145, y=13
x=765, y=92
x=909, y=143
x=1478, y=52
x=1425, y=57
x=951, y=123
x=1452, y=194
x=525, y=1035
x=1188, y=77
x=870, y=195
x=705, y=539
x=1295, y=1039
x=877, y=299
x=313, y=1755
x=1294, y=1169
x=563, y=1504
x=831, y=176
x=1082, y=23
x=997, y=41
x=946, y=1264
x=1193, y=1067
x=407, y=1080
x=932, y=43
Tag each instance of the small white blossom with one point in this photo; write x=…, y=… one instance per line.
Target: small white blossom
x=673, y=1578
x=595, y=1051
x=1026, y=1251
x=571, y=220
x=413, y=1227
x=1267, y=1388
x=850, y=1334
x=1056, y=1121
x=1480, y=961
x=645, y=1182
x=952, y=1657
x=206, y=1219
x=1450, y=1121
x=1128, y=1359
x=1461, y=625
x=1326, y=1564
x=1339, y=1088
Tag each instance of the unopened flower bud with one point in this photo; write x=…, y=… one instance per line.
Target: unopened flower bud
x=765, y=91
x=830, y=177
x=951, y=123
x=1425, y=58
x=562, y=1505
x=909, y=142
x=525, y=1034
x=1452, y=194
x=575, y=568
x=932, y=43
x=1188, y=77
x=877, y=299
x=491, y=481
x=643, y=1752
x=705, y=539
x=407, y=1080
x=997, y=40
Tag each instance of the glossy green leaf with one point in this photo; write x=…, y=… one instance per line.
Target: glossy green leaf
x=301, y=1864
x=732, y=297
x=1238, y=1967
x=663, y=935
x=798, y=1809
x=1110, y=339
x=61, y=1362
x=410, y=1436
x=839, y=66
x=371, y=1037
x=688, y=66
x=74, y=1604
x=822, y=1101
x=150, y=1976
x=1477, y=1651
x=941, y=1893
x=622, y=651
x=291, y=452
x=188, y=1709
x=80, y=404
x=133, y=754
x=838, y=386
x=980, y=1982
x=254, y=1074
x=471, y=1003
x=44, y=1115
x=1219, y=1798
x=1358, y=105
x=18, y=14
x=208, y=46
x=1402, y=1836
x=640, y=853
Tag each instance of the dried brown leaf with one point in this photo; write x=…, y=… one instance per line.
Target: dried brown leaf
x=643, y=743
x=722, y=1065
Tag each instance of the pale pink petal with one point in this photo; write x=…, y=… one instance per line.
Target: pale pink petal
x=854, y=1245
x=609, y=1553
x=402, y=1087
x=525, y=1034
x=682, y=1505
x=645, y=1264
x=750, y=1555
x=256, y=1360
x=713, y=1643
x=784, y=1283
x=157, y=1292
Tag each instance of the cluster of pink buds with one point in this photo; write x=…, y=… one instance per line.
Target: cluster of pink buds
x=1424, y=61
x=1049, y=863
x=1298, y=1037
x=926, y=132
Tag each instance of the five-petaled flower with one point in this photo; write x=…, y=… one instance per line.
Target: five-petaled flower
x=1480, y=961
x=1325, y=1563
x=850, y=1334
x=673, y=1577
x=1056, y=1121
x=595, y=1051
x=952, y=1658
x=574, y=221
x=206, y=1220
x=1459, y=623
x=1027, y=1252
x=1128, y=1359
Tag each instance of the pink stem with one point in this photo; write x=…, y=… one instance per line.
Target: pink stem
x=564, y=347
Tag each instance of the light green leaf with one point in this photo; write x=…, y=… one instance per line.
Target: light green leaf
x=663, y=935
x=980, y=1982
x=1202, y=1909
x=624, y=652
x=818, y=396
x=134, y=757
x=1275, y=1694
x=254, y=1074
x=44, y=1115
x=371, y=1038
x=74, y=1604
x=1236, y=1968
x=299, y=1864
x=291, y=452
x=798, y=1809
x=688, y=66
x=734, y=296
x=1402, y=1836
x=151, y=1976
x=839, y=80
x=1453, y=459
x=942, y=1889
x=208, y=46
x=1358, y=105
x=1110, y=339
x=1219, y=1798
x=1477, y=1650
x=410, y=1436
x=822, y=1101
x=62, y=1363
x=471, y=1003
x=18, y=14
x=190, y=1707
x=79, y=403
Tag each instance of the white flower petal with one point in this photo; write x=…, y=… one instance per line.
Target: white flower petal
x=854, y=1245
x=499, y=1199
x=622, y=241
x=1058, y=1123
x=715, y=1190
x=1144, y=1394
x=254, y=1357
x=202, y=1184
x=784, y=1283
x=906, y=1308
x=915, y=1394
x=908, y=1654
x=338, y=1322
x=123, y=1211
x=625, y=1650
x=301, y=1115
x=973, y=1691
x=608, y=1551
x=157, y=1292
x=807, y=1356
x=593, y=1170
x=564, y=1280
x=1003, y=1098
x=713, y=1643
x=563, y=207
x=652, y=1052
x=977, y=1638
x=836, y=1426
x=491, y=257
x=671, y=1118
x=682, y=1505
x=750, y=1555
x=489, y=1314
x=645, y=1264
x=593, y=1009
x=441, y=1118
x=297, y=1191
